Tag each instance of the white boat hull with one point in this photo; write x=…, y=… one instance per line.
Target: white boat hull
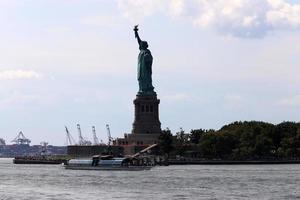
x=106, y=168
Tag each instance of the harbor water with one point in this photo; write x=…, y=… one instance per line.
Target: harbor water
x=173, y=182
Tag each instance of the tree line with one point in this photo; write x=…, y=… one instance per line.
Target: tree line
x=251, y=140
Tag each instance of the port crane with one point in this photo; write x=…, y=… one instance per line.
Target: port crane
x=110, y=139
x=70, y=140
x=82, y=141
x=21, y=139
x=96, y=140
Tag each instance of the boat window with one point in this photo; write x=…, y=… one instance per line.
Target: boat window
x=151, y=108
x=147, y=108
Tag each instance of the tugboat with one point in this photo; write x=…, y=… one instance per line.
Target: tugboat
x=108, y=162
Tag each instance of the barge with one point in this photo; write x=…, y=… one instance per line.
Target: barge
x=40, y=160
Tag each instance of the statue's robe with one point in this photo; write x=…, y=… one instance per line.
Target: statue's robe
x=145, y=60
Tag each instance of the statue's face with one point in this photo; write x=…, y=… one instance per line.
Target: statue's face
x=143, y=45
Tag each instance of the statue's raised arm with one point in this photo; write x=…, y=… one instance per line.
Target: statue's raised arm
x=137, y=34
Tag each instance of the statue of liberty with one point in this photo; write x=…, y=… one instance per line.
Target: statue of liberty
x=144, y=74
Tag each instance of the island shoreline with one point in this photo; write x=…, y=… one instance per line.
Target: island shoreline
x=231, y=162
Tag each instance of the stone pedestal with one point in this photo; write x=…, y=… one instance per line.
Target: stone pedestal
x=146, y=127
x=146, y=118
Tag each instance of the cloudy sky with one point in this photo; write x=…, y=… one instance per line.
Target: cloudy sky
x=65, y=62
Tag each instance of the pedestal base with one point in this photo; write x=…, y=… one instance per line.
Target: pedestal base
x=146, y=120
x=146, y=127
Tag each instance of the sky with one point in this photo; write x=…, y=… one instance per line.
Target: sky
x=65, y=62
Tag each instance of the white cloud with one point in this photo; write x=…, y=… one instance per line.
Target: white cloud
x=19, y=74
x=291, y=101
x=177, y=7
x=242, y=18
x=283, y=15
x=249, y=21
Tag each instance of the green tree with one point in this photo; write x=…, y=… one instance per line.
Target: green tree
x=207, y=145
x=166, y=142
x=181, y=142
x=226, y=142
x=196, y=135
x=238, y=140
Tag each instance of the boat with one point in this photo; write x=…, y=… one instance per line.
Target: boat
x=54, y=160
x=109, y=162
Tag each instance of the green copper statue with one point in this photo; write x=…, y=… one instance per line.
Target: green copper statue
x=144, y=74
